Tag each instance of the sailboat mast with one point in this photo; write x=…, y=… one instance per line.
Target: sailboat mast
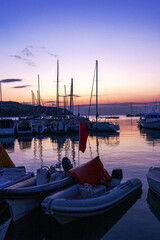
x=0, y=99
x=65, y=95
x=57, y=84
x=71, y=96
x=0, y=92
x=39, y=99
x=96, y=90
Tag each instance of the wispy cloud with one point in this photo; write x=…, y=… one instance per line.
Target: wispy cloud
x=22, y=86
x=28, y=55
x=26, y=52
x=44, y=50
x=25, y=60
x=11, y=80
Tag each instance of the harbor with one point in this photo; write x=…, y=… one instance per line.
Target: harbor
x=80, y=120
x=133, y=150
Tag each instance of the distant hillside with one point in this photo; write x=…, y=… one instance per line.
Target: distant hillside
x=15, y=109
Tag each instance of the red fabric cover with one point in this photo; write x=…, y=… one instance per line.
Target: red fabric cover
x=83, y=136
x=1, y=147
x=91, y=172
x=5, y=159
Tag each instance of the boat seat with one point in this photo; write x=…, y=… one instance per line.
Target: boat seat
x=14, y=173
x=99, y=190
x=57, y=176
x=87, y=191
x=26, y=183
x=113, y=183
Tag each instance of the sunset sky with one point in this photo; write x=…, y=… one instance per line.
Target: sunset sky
x=123, y=35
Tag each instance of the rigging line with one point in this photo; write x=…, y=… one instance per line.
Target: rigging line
x=90, y=149
x=103, y=84
x=91, y=92
x=97, y=144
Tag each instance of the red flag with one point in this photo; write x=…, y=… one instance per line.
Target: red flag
x=83, y=134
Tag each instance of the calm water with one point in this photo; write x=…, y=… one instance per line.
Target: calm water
x=133, y=150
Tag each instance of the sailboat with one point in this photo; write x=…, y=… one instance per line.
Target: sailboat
x=99, y=125
x=59, y=124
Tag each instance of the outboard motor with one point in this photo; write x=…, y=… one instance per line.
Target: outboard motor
x=43, y=175
x=66, y=164
x=117, y=176
x=117, y=173
x=52, y=169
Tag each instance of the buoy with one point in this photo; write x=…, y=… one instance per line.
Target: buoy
x=5, y=159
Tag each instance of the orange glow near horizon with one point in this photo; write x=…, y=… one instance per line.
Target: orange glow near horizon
x=85, y=100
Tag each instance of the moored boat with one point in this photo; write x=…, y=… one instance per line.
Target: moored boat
x=99, y=125
x=103, y=127
x=74, y=123
x=59, y=126
x=24, y=127
x=150, y=120
x=153, y=201
x=25, y=196
x=7, y=127
x=153, y=178
x=38, y=126
x=9, y=173
x=96, y=192
x=5, y=219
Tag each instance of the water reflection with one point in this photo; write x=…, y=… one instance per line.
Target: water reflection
x=108, y=138
x=40, y=226
x=151, y=135
x=154, y=203
x=38, y=149
x=103, y=138
x=5, y=219
x=37, y=225
x=74, y=138
x=30, y=227
x=43, y=149
x=59, y=142
x=129, y=150
x=25, y=142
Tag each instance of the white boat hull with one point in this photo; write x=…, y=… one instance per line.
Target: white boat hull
x=59, y=127
x=7, y=127
x=24, y=127
x=153, y=178
x=150, y=120
x=3, y=228
x=64, y=209
x=25, y=196
x=105, y=127
x=150, y=125
x=20, y=208
x=7, y=131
